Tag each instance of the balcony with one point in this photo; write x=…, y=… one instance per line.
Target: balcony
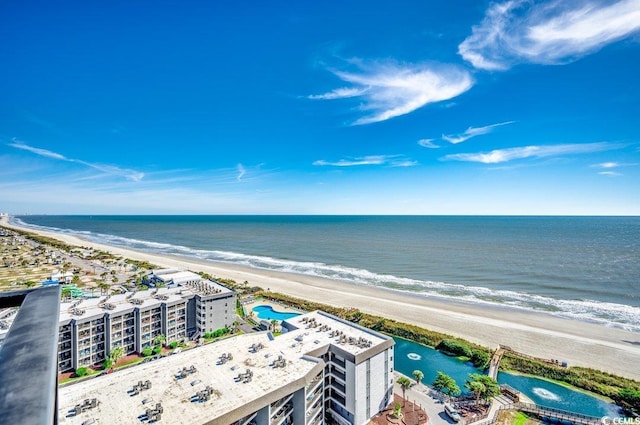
x=284, y=414
x=338, y=386
x=338, y=362
x=275, y=406
x=338, y=374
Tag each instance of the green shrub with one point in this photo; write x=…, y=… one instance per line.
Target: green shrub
x=81, y=371
x=174, y=344
x=147, y=351
x=157, y=349
x=480, y=358
x=217, y=333
x=455, y=347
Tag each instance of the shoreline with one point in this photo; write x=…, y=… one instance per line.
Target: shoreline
x=537, y=334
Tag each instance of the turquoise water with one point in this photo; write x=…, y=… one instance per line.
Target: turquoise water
x=410, y=356
x=546, y=393
x=268, y=313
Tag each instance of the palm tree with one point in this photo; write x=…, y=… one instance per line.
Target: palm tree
x=103, y=286
x=476, y=387
x=418, y=375
x=160, y=339
x=116, y=354
x=404, y=383
x=65, y=293
x=482, y=386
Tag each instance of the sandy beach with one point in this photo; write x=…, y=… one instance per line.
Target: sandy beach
x=537, y=334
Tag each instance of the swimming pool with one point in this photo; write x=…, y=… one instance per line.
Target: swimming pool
x=267, y=312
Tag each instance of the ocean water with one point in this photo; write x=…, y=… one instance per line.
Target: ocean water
x=586, y=268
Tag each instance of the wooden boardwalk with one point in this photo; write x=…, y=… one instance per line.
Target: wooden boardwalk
x=549, y=414
x=495, y=362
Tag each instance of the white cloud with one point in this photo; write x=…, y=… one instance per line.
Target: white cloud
x=340, y=93
x=607, y=165
x=241, y=172
x=393, y=160
x=404, y=163
x=472, y=132
x=551, y=32
x=42, y=152
x=428, y=143
x=107, y=169
x=609, y=173
x=390, y=90
x=509, y=154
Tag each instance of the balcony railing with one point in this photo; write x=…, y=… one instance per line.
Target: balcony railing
x=29, y=358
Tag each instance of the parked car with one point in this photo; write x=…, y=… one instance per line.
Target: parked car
x=452, y=412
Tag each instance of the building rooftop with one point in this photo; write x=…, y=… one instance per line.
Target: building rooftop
x=278, y=366
x=86, y=308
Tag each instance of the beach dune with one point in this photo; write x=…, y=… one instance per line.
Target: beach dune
x=537, y=334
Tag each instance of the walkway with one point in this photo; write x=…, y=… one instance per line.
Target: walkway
x=549, y=413
x=495, y=362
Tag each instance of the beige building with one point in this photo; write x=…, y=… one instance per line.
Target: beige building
x=321, y=369
x=90, y=328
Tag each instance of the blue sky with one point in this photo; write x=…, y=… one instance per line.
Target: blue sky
x=357, y=107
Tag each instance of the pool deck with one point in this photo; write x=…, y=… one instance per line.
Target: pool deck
x=273, y=304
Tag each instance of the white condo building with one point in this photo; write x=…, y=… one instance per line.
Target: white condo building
x=322, y=369
x=90, y=328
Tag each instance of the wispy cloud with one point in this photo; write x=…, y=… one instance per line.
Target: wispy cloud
x=392, y=160
x=509, y=154
x=340, y=93
x=610, y=173
x=241, y=172
x=428, y=143
x=107, y=169
x=42, y=152
x=609, y=166
x=472, y=132
x=390, y=90
x=606, y=165
x=551, y=32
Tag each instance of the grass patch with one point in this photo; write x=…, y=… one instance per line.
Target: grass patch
x=520, y=419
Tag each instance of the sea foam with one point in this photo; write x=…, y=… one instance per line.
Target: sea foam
x=608, y=314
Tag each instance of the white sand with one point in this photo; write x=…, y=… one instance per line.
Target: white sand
x=537, y=334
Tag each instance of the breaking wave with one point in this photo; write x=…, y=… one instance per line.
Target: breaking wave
x=608, y=314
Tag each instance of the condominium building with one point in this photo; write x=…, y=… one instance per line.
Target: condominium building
x=322, y=369
x=91, y=328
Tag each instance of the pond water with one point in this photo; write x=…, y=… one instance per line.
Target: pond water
x=410, y=356
x=545, y=393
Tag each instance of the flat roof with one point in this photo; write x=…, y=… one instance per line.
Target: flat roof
x=117, y=406
x=93, y=307
x=268, y=383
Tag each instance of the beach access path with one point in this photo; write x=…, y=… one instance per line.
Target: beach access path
x=537, y=334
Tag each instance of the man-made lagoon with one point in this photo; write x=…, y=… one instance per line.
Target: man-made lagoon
x=268, y=313
x=410, y=356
